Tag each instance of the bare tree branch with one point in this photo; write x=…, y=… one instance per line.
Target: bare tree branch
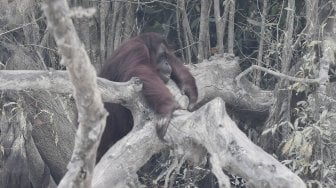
x=59, y=82
x=92, y=114
x=216, y=79
x=277, y=74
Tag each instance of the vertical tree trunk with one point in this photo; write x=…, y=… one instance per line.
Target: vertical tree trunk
x=178, y=31
x=188, y=38
x=287, y=52
x=261, y=43
x=231, y=37
x=103, y=11
x=328, y=46
x=281, y=112
x=313, y=34
x=219, y=27
x=119, y=27
x=202, y=43
x=130, y=25
x=112, y=28
x=226, y=4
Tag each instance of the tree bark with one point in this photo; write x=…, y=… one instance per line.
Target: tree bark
x=188, y=37
x=219, y=27
x=91, y=112
x=281, y=112
x=103, y=12
x=261, y=43
x=231, y=36
x=228, y=147
x=204, y=29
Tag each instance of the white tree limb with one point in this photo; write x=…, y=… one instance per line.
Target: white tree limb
x=209, y=127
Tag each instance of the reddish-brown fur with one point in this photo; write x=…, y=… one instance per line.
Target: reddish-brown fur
x=136, y=58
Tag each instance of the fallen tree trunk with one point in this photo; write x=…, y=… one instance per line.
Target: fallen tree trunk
x=208, y=128
x=214, y=79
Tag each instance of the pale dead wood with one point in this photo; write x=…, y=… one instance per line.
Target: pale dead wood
x=208, y=128
x=91, y=112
